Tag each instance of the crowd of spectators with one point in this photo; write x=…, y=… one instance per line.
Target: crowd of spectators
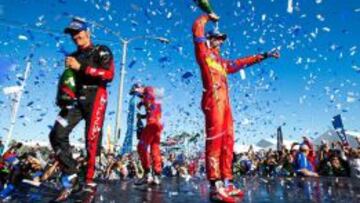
x=36, y=165
x=302, y=159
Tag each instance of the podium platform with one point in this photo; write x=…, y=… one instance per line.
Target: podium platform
x=177, y=190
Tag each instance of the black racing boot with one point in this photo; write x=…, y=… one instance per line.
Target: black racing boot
x=88, y=193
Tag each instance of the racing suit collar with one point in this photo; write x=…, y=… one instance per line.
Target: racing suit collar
x=86, y=48
x=217, y=50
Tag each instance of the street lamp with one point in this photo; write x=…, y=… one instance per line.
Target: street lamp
x=16, y=92
x=125, y=43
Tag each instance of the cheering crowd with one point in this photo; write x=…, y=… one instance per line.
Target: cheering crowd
x=329, y=159
x=23, y=165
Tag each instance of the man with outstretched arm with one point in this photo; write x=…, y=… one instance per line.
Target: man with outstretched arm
x=216, y=105
x=93, y=68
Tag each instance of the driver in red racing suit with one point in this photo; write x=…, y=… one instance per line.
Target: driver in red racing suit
x=216, y=106
x=149, y=142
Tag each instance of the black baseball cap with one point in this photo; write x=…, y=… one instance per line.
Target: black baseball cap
x=76, y=25
x=134, y=87
x=216, y=34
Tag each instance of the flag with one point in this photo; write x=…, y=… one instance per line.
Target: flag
x=128, y=141
x=279, y=138
x=339, y=128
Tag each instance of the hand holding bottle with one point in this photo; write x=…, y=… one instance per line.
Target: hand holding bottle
x=213, y=17
x=72, y=63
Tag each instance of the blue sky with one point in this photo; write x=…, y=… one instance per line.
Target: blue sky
x=316, y=77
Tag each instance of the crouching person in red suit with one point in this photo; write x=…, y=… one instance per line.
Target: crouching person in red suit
x=149, y=142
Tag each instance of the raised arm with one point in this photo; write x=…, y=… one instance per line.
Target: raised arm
x=235, y=65
x=49, y=171
x=198, y=30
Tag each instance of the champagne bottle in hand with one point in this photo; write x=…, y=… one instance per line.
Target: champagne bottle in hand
x=66, y=88
x=204, y=5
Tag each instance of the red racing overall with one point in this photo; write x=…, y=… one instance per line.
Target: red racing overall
x=149, y=143
x=215, y=102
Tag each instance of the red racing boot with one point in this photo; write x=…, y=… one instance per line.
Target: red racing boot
x=218, y=193
x=232, y=190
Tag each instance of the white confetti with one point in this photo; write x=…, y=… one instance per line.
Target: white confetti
x=351, y=97
x=238, y=4
x=290, y=7
x=356, y=68
x=320, y=17
x=168, y=16
x=263, y=17
x=326, y=29
x=261, y=40
x=242, y=74
x=299, y=60
x=107, y=6
x=245, y=122
x=22, y=37
x=353, y=51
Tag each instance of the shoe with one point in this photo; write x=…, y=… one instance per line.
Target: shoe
x=7, y=191
x=88, y=193
x=157, y=180
x=233, y=191
x=32, y=182
x=147, y=179
x=63, y=196
x=218, y=194
x=89, y=187
x=69, y=183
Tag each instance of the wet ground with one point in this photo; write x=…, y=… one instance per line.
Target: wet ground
x=176, y=190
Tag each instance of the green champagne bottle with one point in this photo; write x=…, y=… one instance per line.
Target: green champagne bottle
x=66, y=88
x=204, y=5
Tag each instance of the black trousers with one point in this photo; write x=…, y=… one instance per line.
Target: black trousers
x=91, y=107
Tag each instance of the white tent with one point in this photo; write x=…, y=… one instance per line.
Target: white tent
x=240, y=148
x=331, y=136
x=271, y=143
x=46, y=143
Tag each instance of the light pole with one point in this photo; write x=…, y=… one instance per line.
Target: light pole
x=125, y=43
x=17, y=91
